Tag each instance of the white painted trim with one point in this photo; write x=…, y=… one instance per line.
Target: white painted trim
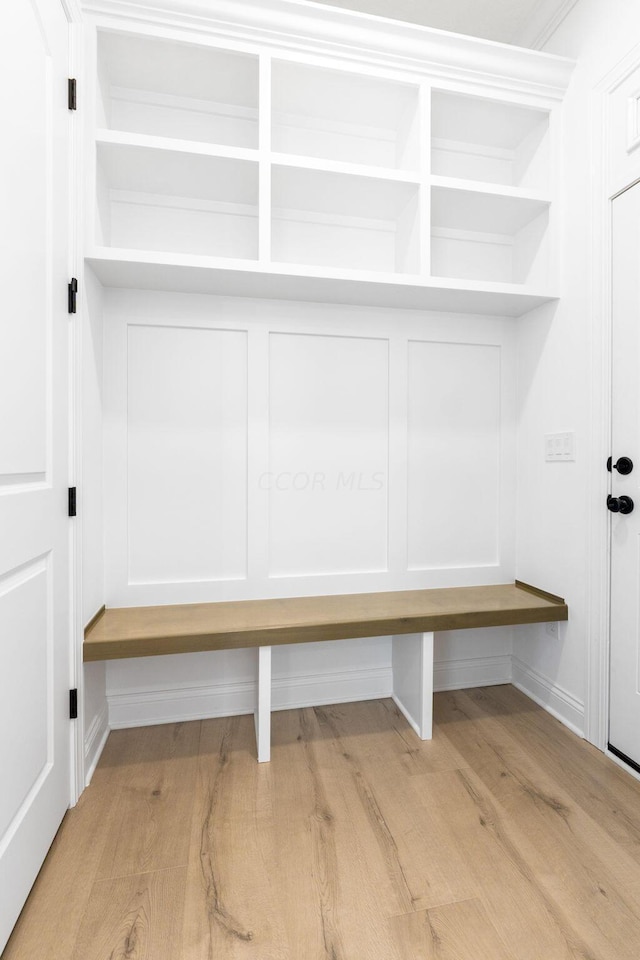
x=94, y=743
x=305, y=27
x=557, y=701
x=623, y=766
x=348, y=686
x=471, y=672
x=148, y=706
x=198, y=702
x=543, y=22
x=72, y=10
x=599, y=552
x=75, y=255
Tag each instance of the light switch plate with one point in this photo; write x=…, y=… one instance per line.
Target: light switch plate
x=559, y=446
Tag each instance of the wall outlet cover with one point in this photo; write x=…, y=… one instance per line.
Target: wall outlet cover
x=559, y=446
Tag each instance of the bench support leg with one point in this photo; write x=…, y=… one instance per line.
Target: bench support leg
x=263, y=705
x=412, y=664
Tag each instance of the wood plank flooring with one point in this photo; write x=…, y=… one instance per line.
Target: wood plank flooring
x=505, y=838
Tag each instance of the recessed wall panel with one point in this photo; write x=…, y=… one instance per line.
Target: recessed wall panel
x=453, y=454
x=24, y=705
x=25, y=212
x=187, y=454
x=328, y=455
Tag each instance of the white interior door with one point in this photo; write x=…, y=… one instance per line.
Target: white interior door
x=34, y=410
x=624, y=715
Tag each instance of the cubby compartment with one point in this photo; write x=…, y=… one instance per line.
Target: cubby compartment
x=180, y=90
x=343, y=221
x=473, y=138
x=487, y=236
x=176, y=202
x=346, y=117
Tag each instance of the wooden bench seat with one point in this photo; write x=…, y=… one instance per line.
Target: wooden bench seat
x=188, y=628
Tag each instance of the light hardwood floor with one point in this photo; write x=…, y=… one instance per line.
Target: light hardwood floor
x=505, y=838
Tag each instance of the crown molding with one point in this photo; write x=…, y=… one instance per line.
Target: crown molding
x=72, y=10
x=545, y=19
x=353, y=36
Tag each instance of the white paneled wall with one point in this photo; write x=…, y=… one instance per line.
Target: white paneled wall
x=186, y=454
x=328, y=455
x=262, y=448
x=454, y=425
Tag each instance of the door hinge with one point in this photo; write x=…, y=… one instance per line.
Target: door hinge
x=72, y=501
x=73, y=704
x=73, y=93
x=73, y=290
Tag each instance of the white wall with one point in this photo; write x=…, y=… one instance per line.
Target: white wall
x=556, y=504
x=263, y=448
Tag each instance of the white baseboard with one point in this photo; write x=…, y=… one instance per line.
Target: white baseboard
x=177, y=704
x=136, y=708
x=147, y=706
x=94, y=742
x=555, y=699
x=471, y=672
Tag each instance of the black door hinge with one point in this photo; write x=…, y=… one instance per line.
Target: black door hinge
x=73, y=704
x=73, y=290
x=73, y=93
x=72, y=501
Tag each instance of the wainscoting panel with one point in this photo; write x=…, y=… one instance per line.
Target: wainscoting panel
x=454, y=425
x=186, y=453
x=328, y=455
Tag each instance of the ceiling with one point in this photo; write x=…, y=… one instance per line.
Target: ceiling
x=523, y=22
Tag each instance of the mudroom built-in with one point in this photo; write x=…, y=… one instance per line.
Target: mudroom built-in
x=318, y=565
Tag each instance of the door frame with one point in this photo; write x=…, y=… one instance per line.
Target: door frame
x=601, y=335
x=73, y=12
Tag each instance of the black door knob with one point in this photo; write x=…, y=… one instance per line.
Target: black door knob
x=623, y=465
x=622, y=504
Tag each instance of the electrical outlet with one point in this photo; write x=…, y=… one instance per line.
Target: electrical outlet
x=551, y=630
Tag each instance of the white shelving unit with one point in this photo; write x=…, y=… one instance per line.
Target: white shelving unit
x=222, y=170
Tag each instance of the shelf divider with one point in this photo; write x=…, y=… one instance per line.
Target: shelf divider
x=424, y=102
x=264, y=143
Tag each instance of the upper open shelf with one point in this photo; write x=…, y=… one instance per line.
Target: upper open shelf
x=473, y=138
x=343, y=116
x=181, y=90
x=487, y=236
x=151, y=199
x=344, y=221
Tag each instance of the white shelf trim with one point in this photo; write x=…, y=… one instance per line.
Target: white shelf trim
x=171, y=145
x=351, y=169
x=282, y=281
x=298, y=25
x=490, y=189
